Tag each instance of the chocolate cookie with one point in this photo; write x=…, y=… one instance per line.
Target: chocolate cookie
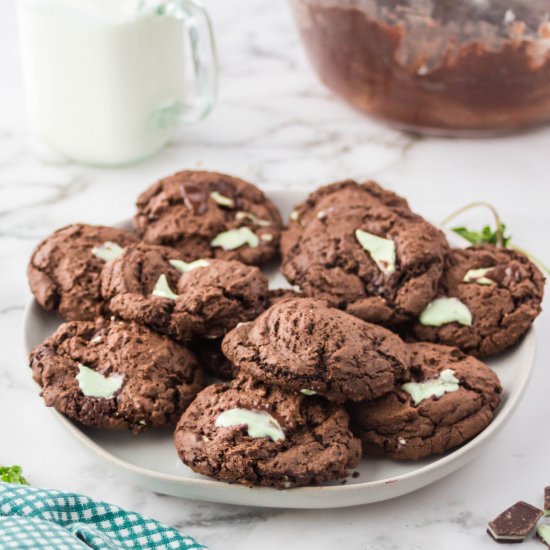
x=279, y=294
x=361, y=248
x=488, y=299
x=253, y=434
x=305, y=346
x=211, y=358
x=64, y=271
x=115, y=375
x=151, y=285
x=450, y=398
x=206, y=214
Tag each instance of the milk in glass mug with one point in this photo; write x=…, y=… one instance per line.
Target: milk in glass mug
x=109, y=81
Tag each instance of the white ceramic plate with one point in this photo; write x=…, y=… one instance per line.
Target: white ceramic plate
x=150, y=460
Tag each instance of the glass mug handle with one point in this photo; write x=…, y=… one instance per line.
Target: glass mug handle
x=204, y=62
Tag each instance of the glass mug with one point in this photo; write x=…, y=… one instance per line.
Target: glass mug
x=107, y=81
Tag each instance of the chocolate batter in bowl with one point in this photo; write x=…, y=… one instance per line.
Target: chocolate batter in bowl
x=456, y=67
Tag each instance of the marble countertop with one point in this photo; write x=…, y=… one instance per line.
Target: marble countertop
x=279, y=127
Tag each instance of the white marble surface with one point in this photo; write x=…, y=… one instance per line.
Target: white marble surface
x=277, y=126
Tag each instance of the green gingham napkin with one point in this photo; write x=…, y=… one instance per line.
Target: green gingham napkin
x=45, y=519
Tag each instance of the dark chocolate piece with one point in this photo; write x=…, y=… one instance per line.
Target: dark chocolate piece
x=547, y=501
x=505, y=274
x=194, y=197
x=227, y=190
x=515, y=523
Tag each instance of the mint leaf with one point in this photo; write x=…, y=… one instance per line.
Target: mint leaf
x=12, y=474
x=486, y=235
x=471, y=236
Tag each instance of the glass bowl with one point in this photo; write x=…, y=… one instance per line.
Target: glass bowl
x=457, y=67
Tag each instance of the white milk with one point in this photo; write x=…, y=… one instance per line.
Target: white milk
x=104, y=80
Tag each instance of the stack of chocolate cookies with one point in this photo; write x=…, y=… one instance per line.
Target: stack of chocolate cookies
x=377, y=353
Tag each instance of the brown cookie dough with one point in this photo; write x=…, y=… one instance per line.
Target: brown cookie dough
x=211, y=358
x=308, y=439
x=395, y=426
x=323, y=255
x=502, y=309
x=115, y=375
x=207, y=302
x=190, y=210
x=277, y=295
x=304, y=346
x=64, y=274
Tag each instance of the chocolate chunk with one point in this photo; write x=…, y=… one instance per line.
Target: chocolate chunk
x=515, y=523
x=547, y=501
x=194, y=197
x=506, y=274
x=227, y=190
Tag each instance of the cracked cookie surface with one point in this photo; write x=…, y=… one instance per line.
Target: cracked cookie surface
x=208, y=300
x=317, y=445
x=395, y=427
x=157, y=378
x=65, y=276
x=191, y=209
x=502, y=310
x=303, y=345
x=323, y=256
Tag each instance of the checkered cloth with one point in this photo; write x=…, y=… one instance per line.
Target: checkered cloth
x=44, y=519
